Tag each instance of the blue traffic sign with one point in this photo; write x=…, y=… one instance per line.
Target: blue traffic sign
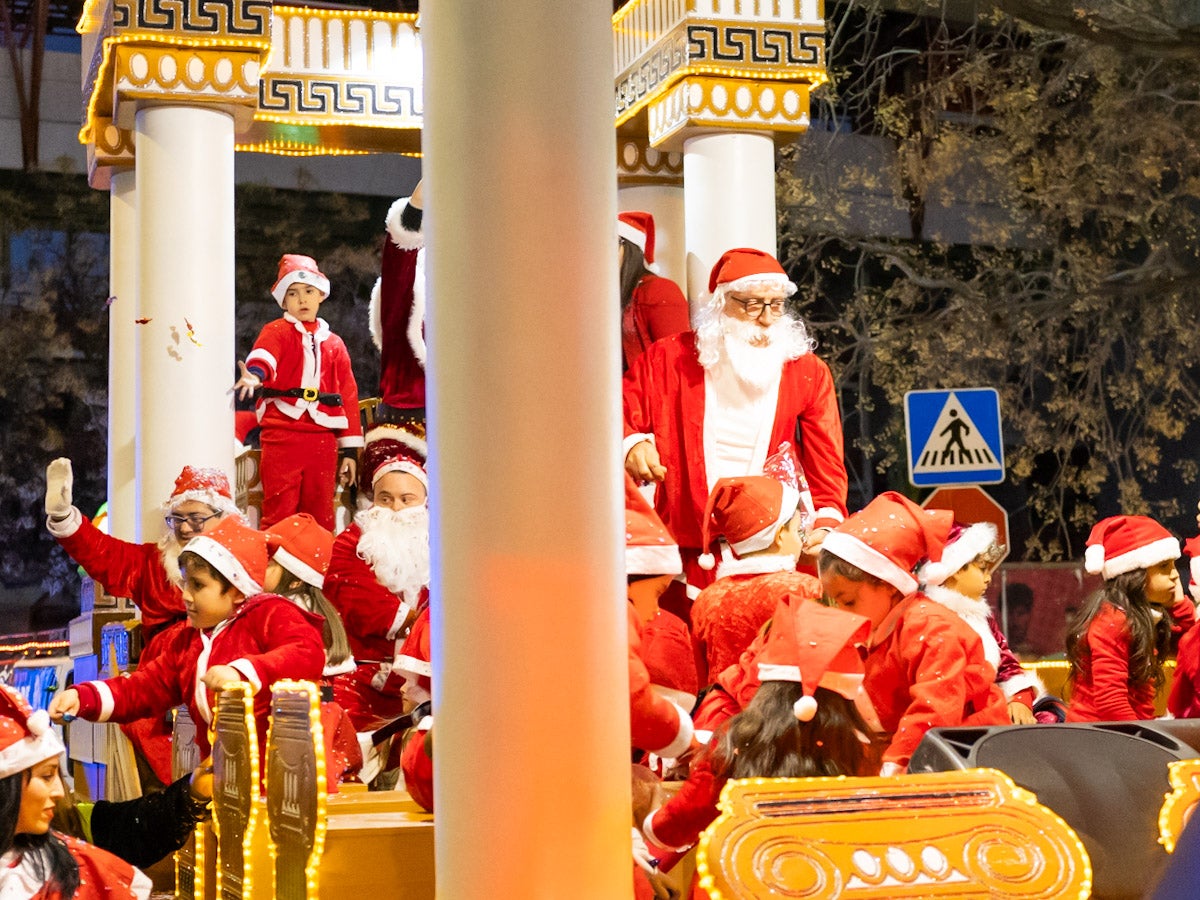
x=954, y=437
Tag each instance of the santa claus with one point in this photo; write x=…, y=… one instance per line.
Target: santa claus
x=717, y=402
x=147, y=574
x=379, y=573
x=397, y=314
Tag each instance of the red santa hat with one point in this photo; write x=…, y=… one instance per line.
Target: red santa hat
x=816, y=646
x=744, y=267
x=301, y=545
x=1192, y=549
x=964, y=545
x=394, y=448
x=208, y=485
x=26, y=737
x=237, y=552
x=296, y=268
x=649, y=547
x=890, y=537
x=638, y=228
x=748, y=512
x=1121, y=544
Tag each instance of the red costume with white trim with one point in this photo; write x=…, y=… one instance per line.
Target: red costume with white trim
x=664, y=396
x=377, y=622
x=102, y=876
x=657, y=310
x=267, y=638
x=397, y=313
x=299, y=458
x=926, y=669
x=658, y=725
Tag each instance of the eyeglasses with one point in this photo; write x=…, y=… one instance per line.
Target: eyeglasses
x=754, y=308
x=194, y=520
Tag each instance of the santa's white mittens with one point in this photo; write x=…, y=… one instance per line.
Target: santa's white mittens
x=59, y=481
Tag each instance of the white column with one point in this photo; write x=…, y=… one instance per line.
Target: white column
x=185, y=275
x=729, y=190
x=122, y=353
x=666, y=204
x=529, y=635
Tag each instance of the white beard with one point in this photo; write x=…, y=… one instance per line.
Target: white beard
x=169, y=550
x=754, y=354
x=395, y=544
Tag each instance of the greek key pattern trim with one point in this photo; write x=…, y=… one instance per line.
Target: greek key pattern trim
x=304, y=100
x=195, y=18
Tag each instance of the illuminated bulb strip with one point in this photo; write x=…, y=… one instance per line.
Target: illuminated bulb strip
x=247, y=697
x=34, y=645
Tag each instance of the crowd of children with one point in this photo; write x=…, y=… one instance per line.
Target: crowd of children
x=788, y=664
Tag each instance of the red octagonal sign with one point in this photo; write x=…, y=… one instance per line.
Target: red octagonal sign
x=970, y=505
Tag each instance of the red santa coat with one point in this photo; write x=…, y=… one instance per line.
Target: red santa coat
x=398, y=314
x=664, y=396
x=102, y=876
x=267, y=638
x=927, y=669
x=729, y=612
x=658, y=726
x=1101, y=691
x=1184, y=701
x=290, y=356
x=656, y=310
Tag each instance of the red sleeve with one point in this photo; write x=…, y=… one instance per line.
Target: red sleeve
x=1183, y=616
x=1182, y=701
x=1108, y=645
x=819, y=444
x=639, y=391
x=657, y=725
x=368, y=609
x=268, y=350
x=294, y=647
x=402, y=373
x=664, y=307
x=155, y=687
x=677, y=824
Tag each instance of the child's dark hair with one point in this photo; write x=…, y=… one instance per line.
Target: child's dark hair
x=835, y=565
x=1149, y=638
x=766, y=740
x=312, y=598
x=51, y=860
x=633, y=267
x=189, y=560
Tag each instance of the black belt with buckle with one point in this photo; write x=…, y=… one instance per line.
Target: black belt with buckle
x=307, y=394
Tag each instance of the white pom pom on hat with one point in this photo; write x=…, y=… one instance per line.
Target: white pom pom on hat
x=805, y=708
x=707, y=561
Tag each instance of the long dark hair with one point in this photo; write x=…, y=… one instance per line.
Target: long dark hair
x=1149, y=639
x=633, y=269
x=766, y=740
x=337, y=645
x=52, y=861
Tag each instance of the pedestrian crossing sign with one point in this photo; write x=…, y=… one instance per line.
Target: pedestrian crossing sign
x=954, y=437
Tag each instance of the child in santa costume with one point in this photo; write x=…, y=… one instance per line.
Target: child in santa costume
x=1118, y=639
x=803, y=721
x=36, y=862
x=378, y=574
x=147, y=574
x=1184, y=700
x=397, y=314
x=958, y=581
x=652, y=307
x=238, y=633
x=300, y=551
x=759, y=519
x=927, y=668
x=308, y=403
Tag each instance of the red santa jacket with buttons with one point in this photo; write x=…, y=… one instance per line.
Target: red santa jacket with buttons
x=123, y=569
x=267, y=638
x=287, y=355
x=927, y=669
x=664, y=396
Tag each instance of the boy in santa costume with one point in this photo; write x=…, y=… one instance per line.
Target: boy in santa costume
x=238, y=633
x=926, y=668
x=652, y=307
x=36, y=862
x=147, y=574
x=378, y=573
x=308, y=403
x=397, y=314
x=760, y=521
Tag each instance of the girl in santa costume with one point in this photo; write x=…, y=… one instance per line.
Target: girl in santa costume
x=36, y=862
x=760, y=520
x=1118, y=639
x=238, y=633
x=806, y=718
x=958, y=581
x=308, y=405
x=652, y=307
x=1184, y=701
x=927, y=668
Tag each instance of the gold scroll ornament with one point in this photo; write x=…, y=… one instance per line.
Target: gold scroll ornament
x=1179, y=805
x=970, y=833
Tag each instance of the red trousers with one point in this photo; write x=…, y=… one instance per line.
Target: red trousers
x=299, y=473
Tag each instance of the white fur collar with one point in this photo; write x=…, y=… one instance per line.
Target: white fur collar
x=756, y=565
x=958, y=603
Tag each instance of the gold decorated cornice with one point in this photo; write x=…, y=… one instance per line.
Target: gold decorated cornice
x=708, y=103
x=972, y=833
x=640, y=164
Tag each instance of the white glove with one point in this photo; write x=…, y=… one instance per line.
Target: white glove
x=641, y=853
x=59, y=479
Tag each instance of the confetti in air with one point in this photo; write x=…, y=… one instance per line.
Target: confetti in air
x=191, y=333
